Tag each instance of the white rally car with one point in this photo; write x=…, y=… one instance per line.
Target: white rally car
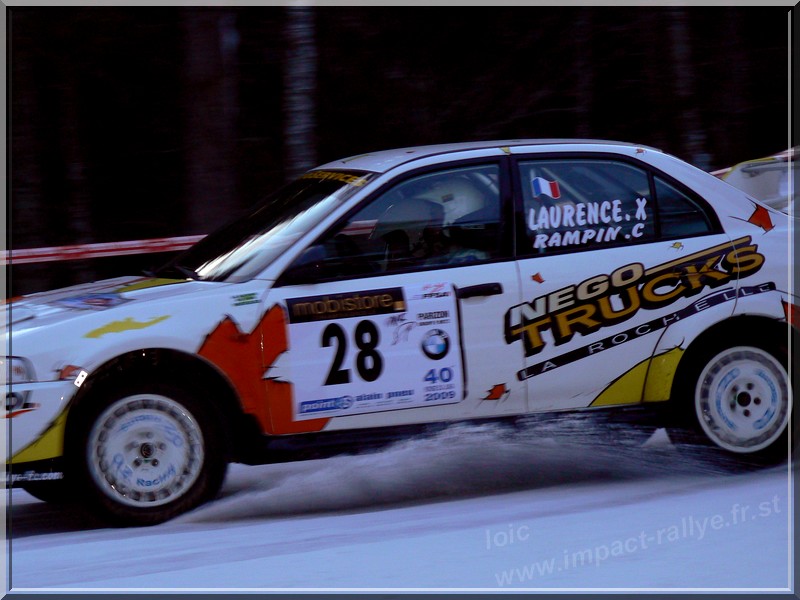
x=383, y=294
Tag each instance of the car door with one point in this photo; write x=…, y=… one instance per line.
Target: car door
x=604, y=270
x=394, y=315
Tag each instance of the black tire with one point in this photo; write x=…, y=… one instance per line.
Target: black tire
x=147, y=452
x=52, y=492
x=732, y=402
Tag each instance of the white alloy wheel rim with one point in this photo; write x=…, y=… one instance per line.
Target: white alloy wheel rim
x=742, y=399
x=145, y=450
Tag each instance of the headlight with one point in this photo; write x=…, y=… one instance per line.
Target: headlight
x=16, y=370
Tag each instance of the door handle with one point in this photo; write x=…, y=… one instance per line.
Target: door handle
x=483, y=289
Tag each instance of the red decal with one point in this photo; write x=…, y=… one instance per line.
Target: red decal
x=498, y=392
x=792, y=312
x=240, y=356
x=16, y=413
x=761, y=218
x=538, y=278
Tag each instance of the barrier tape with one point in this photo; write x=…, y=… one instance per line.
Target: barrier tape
x=80, y=251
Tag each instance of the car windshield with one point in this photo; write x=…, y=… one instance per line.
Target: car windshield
x=245, y=247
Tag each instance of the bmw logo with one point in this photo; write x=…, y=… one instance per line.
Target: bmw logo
x=436, y=344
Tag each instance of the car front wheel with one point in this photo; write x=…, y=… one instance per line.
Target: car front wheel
x=151, y=452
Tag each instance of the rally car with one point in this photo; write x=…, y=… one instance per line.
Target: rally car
x=391, y=292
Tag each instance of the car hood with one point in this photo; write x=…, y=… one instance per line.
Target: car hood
x=45, y=308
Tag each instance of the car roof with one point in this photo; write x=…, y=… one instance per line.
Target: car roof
x=385, y=160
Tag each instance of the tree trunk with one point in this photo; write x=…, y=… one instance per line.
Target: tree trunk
x=78, y=213
x=584, y=73
x=733, y=90
x=27, y=227
x=210, y=106
x=693, y=139
x=300, y=79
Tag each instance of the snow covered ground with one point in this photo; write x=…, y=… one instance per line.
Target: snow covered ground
x=467, y=509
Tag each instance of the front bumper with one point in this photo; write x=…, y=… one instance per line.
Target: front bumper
x=35, y=427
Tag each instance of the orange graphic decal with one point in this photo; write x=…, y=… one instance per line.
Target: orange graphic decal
x=538, y=278
x=761, y=218
x=792, y=312
x=498, y=392
x=239, y=355
x=15, y=413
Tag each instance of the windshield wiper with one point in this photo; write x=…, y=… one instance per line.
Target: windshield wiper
x=185, y=271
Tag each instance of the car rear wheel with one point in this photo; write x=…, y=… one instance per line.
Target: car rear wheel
x=739, y=403
x=151, y=452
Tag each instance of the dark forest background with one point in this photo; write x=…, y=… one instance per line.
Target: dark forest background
x=132, y=123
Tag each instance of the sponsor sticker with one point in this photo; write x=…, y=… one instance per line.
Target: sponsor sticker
x=635, y=332
x=91, y=301
x=347, y=178
x=607, y=299
x=374, y=350
x=12, y=477
x=244, y=299
x=342, y=306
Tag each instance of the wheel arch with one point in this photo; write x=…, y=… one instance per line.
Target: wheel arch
x=769, y=333
x=690, y=432
x=169, y=365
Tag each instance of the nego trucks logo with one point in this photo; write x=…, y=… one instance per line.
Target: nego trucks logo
x=587, y=307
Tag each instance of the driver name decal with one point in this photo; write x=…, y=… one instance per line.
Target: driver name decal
x=568, y=225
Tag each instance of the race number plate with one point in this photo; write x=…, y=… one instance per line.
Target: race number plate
x=374, y=350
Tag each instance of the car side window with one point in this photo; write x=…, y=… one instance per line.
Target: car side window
x=577, y=204
x=678, y=214
x=439, y=219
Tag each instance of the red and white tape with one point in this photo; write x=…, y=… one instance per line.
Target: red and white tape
x=79, y=251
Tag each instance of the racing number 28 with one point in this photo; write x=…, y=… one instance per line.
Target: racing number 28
x=369, y=362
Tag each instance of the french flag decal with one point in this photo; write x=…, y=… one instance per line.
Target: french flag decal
x=549, y=188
